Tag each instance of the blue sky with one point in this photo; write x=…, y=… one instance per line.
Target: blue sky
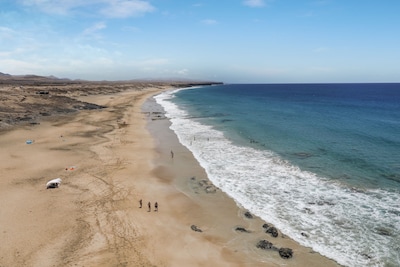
x=233, y=41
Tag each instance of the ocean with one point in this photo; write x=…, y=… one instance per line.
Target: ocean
x=319, y=161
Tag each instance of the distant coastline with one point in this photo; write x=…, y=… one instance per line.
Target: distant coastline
x=26, y=99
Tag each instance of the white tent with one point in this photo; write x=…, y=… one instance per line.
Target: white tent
x=53, y=183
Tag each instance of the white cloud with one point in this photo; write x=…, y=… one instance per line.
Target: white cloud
x=254, y=3
x=182, y=71
x=14, y=43
x=5, y=53
x=109, y=8
x=6, y=33
x=16, y=67
x=92, y=30
x=125, y=8
x=59, y=7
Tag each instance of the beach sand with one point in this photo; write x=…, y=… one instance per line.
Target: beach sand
x=108, y=160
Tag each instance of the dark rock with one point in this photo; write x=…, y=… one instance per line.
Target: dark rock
x=273, y=231
x=265, y=244
x=270, y=230
x=365, y=255
x=248, y=215
x=51, y=186
x=304, y=234
x=210, y=189
x=308, y=210
x=383, y=231
x=286, y=253
x=26, y=118
x=87, y=106
x=195, y=228
x=207, y=186
x=242, y=229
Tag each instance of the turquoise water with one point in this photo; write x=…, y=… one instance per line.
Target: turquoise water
x=321, y=159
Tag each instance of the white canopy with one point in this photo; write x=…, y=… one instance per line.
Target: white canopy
x=54, y=183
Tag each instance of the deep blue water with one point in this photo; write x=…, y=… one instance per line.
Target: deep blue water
x=349, y=132
x=331, y=151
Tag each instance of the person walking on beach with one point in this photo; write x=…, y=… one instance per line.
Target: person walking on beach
x=140, y=203
x=149, y=205
x=156, y=206
x=172, y=154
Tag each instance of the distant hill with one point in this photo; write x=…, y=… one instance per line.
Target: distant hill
x=5, y=75
x=31, y=79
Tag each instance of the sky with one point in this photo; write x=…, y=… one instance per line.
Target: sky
x=231, y=41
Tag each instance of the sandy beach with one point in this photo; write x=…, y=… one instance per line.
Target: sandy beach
x=109, y=159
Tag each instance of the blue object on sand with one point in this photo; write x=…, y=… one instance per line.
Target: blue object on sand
x=28, y=142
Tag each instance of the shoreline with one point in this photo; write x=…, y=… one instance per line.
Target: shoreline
x=108, y=160
x=221, y=216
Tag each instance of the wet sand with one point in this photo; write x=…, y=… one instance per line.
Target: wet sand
x=108, y=160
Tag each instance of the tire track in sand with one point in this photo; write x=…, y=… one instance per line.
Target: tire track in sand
x=113, y=240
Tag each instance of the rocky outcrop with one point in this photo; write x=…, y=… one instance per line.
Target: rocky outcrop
x=266, y=245
x=383, y=231
x=242, y=229
x=203, y=185
x=248, y=215
x=285, y=253
x=195, y=228
x=270, y=230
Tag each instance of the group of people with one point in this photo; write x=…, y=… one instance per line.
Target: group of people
x=149, y=205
